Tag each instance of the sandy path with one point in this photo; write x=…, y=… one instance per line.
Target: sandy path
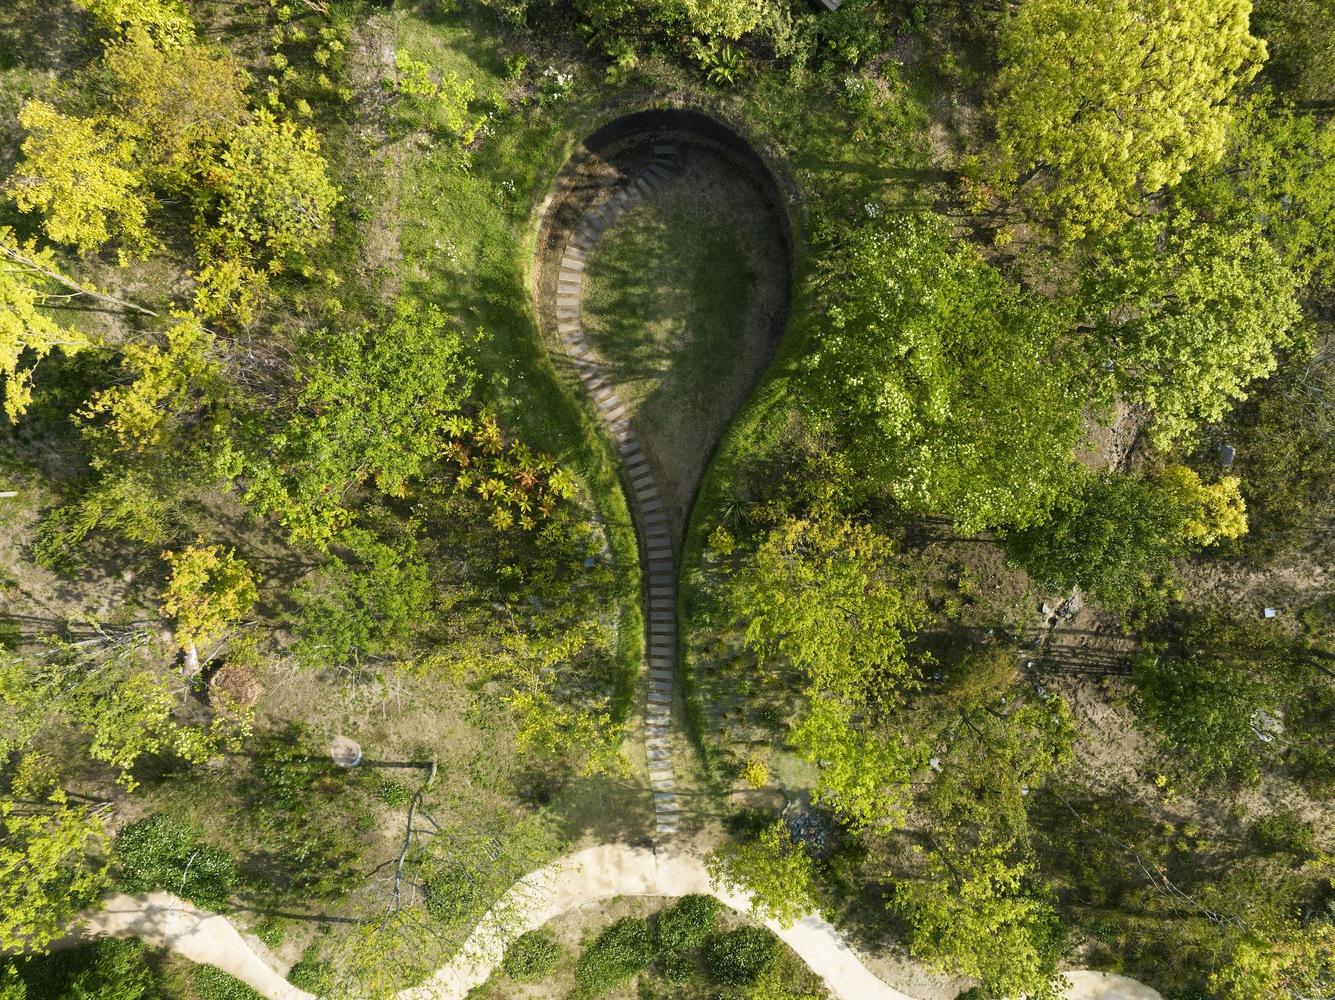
x=164, y=921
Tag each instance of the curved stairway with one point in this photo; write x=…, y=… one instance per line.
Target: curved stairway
x=657, y=538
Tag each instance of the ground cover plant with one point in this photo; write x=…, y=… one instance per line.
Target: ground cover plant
x=997, y=440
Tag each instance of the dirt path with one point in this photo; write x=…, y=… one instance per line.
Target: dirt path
x=162, y=920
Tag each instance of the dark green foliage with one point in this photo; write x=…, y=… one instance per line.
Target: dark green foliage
x=109, y=969
x=213, y=984
x=311, y=975
x=531, y=956
x=684, y=925
x=1284, y=833
x=368, y=604
x=621, y=951
x=161, y=852
x=1204, y=708
x=1114, y=535
x=738, y=957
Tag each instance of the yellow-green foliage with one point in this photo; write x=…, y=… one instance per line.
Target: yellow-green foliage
x=166, y=383
x=1113, y=99
x=178, y=104
x=1211, y=512
x=42, y=878
x=24, y=270
x=208, y=590
x=167, y=21
x=81, y=176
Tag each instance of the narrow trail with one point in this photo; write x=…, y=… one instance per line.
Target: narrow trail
x=653, y=519
x=603, y=872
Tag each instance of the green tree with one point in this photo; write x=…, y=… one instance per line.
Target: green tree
x=1299, y=35
x=823, y=595
x=621, y=951
x=208, y=590
x=370, y=405
x=729, y=19
x=1289, y=963
x=1104, y=101
x=272, y=189
x=1116, y=536
x=1205, y=708
x=994, y=739
x=178, y=104
x=45, y=877
x=953, y=389
x=370, y=604
x=773, y=868
x=977, y=913
x=82, y=177
x=1188, y=314
x=1278, y=171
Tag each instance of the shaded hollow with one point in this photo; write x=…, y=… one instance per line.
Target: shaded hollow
x=685, y=297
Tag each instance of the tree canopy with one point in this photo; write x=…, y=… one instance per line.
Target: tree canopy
x=954, y=389
x=1104, y=101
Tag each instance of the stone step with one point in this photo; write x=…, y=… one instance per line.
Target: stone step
x=657, y=742
x=569, y=315
x=575, y=253
x=590, y=234
x=658, y=753
x=595, y=219
x=654, y=179
x=660, y=170
x=661, y=687
x=664, y=161
x=666, y=828
x=650, y=731
x=665, y=785
x=567, y=327
x=642, y=185
x=636, y=195
x=665, y=148
x=571, y=263
x=660, y=697
x=615, y=207
x=664, y=800
x=661, y=675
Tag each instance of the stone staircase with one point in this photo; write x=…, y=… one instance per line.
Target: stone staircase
x=656, y=538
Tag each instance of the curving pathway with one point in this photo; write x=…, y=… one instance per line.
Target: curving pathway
x=648, y=503
x=598, y=873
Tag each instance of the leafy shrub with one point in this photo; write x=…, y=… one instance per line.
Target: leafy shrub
x=620, y=952
x=163, y=853
x=108, y=969
x=213, y=984
x=685, y=925
x=311, y=975
x=531, y=957
x=739, y=957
